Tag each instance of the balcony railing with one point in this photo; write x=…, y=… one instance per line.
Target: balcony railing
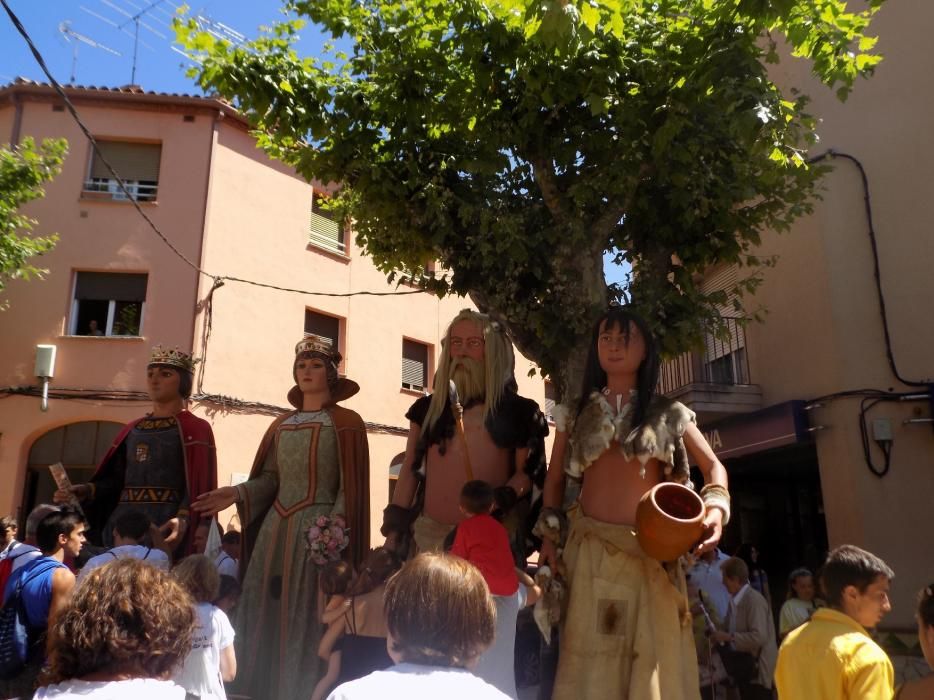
x=106, y=188
x=722, y=362
x=327, y=234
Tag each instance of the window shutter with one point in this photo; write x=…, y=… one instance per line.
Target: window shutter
x=132, y=161
x=723, y=278
x=104, y=286
x=324, y=230
x=549, y=400
x=414, y=365
x=324, y=326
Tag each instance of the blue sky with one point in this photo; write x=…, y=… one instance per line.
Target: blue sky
x=159, y=68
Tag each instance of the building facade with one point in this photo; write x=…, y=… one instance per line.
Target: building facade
x=114, y=289
x=824, y=443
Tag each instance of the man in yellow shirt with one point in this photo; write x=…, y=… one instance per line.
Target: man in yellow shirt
x=832, y=657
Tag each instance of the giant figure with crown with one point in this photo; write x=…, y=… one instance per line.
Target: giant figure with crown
x=311, y=471
x=158, y=463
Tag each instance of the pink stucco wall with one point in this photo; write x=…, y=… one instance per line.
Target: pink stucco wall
x=254, y=216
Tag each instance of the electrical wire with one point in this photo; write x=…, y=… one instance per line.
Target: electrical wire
x=152, y=225
x=867, y=205
x=224, y=403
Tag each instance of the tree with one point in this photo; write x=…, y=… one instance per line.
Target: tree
x=517, y=140
x=23, y=171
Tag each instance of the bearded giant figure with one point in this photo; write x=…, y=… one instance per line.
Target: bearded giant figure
x=474, y=425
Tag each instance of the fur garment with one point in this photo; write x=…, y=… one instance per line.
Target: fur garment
x=660, y=436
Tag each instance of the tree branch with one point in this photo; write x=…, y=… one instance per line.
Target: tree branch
x=609, y=220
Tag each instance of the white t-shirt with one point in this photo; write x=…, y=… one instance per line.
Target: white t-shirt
x=201, y=673
x=416, y=682
x=156, y=557
x=135, y=688
x=226, y=564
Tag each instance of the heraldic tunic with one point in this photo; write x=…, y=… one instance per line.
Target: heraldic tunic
x=154, y=476
x=278, y=629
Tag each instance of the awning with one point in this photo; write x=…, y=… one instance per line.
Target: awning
x=748, y=433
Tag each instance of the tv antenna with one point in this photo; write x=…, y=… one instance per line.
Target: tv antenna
x=136, y=19
x=73, y=38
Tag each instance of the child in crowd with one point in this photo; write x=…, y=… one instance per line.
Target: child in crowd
x=484, y=542
x=333, y=583
x=212, y=661
x=129, y=533
x=228, y=594
x=800, y=604
x=363, y=644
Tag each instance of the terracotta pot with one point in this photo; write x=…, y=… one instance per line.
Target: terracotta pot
x=669, y=521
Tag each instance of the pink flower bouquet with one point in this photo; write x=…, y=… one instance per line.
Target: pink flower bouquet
x=326, y=539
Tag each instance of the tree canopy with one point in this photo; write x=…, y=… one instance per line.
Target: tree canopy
x=518, y=140
x=23, y=171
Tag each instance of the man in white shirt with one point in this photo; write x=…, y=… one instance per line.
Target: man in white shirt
x=227, y=559
x=129, y=533
x=708, y=577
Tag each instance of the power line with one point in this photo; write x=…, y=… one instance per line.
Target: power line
x=225, y=403
x=123, y=188
x=867, y=206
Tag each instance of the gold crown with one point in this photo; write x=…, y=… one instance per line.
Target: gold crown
x=173, y=358
x=318, y=344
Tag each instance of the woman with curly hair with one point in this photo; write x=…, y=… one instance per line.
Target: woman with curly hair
x=122, y=635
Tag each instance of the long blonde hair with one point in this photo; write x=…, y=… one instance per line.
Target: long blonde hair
x=499, y=365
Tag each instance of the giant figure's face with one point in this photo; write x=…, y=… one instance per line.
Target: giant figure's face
x=617, y=353
x=311, y=374
x=163, y=383
x=467, y=350
x=466, y=340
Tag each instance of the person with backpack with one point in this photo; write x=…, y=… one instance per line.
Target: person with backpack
x=34, y=596
x=17, y=554
x=129, y=533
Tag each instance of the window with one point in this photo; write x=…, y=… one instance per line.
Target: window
x=324, y=230
x=414, y=365
x=549, y=401
x=324, y=326
x=108, y=303
x=136, y=163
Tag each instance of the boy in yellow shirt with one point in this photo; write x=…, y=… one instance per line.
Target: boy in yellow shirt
x=832, y=657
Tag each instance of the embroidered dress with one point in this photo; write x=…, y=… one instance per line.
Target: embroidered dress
x=277, y=625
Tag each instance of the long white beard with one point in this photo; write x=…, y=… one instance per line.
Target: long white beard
x=469, y=378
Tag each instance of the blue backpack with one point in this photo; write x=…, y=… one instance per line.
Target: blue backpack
x=17, y=637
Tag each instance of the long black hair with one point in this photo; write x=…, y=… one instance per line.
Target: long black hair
x=647, y=374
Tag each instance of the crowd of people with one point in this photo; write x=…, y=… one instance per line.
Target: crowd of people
x=161, y=603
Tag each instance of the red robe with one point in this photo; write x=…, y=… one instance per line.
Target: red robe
x=200, y=470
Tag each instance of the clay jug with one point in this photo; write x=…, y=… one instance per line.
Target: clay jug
x=669, y=521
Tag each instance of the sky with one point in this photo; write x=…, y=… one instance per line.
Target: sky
x=52, y=24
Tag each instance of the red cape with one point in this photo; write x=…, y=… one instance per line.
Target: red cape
x=200, y=469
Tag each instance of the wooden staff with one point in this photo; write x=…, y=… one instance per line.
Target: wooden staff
x=458, y=411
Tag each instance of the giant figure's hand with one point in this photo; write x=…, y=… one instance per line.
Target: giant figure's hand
x=64, y=496
x=173, y=531
x=713, y=529
x=547, y=555
x=213, y=502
